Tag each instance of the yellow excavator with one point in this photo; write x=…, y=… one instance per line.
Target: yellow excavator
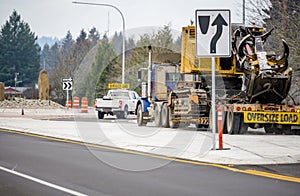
x=250, y=71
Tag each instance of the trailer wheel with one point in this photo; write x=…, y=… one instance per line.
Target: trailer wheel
x=165, y=116
x=100, y=115
x=157, y=116
x=233, y=122
x=140, y=120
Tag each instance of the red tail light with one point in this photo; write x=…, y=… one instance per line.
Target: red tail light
x=249, y=108
x=120, y=103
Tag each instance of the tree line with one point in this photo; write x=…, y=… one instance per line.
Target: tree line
x=93, y=60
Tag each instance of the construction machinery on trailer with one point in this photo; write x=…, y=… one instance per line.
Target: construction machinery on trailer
x=266, y=84
x=252, y=84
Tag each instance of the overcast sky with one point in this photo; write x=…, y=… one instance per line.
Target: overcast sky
x=55, y=17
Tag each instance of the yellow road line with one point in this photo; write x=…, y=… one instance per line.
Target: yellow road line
x=275, y=176
x=251, y=172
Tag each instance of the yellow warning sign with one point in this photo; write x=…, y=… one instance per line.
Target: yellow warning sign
x=117, y=85
x=272, y=117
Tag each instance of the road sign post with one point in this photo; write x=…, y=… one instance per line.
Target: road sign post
x=213, y=101
x=213, y=39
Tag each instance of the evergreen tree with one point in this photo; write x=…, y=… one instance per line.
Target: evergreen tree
x=164, y=38
x=94, y=36
x=66, y=65
x=117, y=42
x=54, y=55
x=67, y=43
x=95, y=85
x=19, y=52
x=130, y=44
x=82, y=46
x=45, y=57
x=82, y=36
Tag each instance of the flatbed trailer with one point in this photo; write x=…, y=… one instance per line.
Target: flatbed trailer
x=274, y=118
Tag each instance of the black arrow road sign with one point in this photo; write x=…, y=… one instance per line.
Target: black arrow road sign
x=219, y=21
x=213, y=36
x=67, y=85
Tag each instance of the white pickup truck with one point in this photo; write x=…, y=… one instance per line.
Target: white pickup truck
x=119, y=102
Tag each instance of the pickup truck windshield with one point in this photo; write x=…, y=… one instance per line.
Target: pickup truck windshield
x=119, y=94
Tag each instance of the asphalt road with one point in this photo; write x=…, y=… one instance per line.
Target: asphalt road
x=63, y=168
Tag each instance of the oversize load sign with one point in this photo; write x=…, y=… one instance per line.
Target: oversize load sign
x=213, y=33
x=272, y=117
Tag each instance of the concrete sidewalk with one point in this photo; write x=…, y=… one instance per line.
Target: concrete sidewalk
x=184, y=143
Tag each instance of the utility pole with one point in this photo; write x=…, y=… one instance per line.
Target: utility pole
x=284, y=16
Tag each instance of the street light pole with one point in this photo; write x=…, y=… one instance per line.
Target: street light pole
x=123, y=19
x=244, y=12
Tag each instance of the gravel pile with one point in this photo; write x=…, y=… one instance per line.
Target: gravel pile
x=29, y=104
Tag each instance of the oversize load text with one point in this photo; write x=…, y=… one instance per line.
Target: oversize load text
x=271, y=117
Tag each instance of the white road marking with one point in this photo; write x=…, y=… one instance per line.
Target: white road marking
x=42, y=182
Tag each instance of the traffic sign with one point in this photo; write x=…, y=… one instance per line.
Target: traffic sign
x=213, y=37
x=117, y=85
x=67, y=80
x=67, y=84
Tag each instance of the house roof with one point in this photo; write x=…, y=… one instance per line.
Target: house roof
x=17, y=90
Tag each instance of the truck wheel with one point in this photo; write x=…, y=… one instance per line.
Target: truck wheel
x=125, y=115
x=120, y=115
x=157, y=117
x=232, y=122
x=210, y=124
x=100, y=115
x=171, y=123
x=140, y=120
x=165, y=116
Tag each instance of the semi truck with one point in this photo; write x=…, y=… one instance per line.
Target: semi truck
x=252, y=85
x=170, y=99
